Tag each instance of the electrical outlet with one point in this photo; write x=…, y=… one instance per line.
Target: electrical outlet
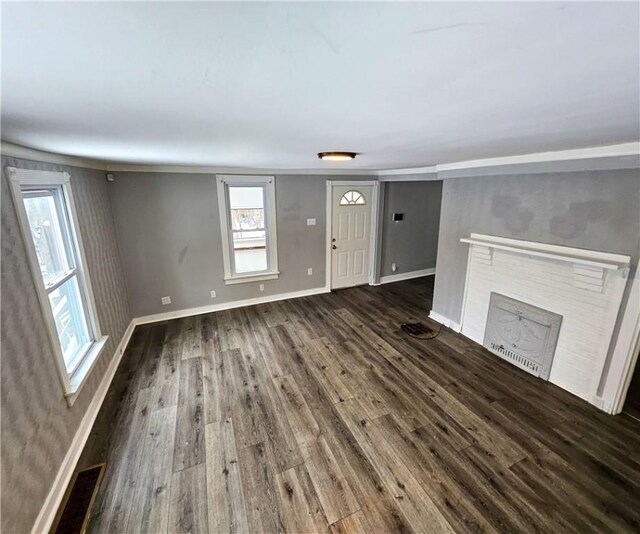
x=311, y=222
x=165, y=300
x=261, y=287
x=309, y=271
x=213, y=294
x=394, y=267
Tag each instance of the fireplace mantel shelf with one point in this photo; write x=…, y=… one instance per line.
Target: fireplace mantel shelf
x=577, y=256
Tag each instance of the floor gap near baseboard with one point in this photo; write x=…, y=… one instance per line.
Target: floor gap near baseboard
x=75, y=511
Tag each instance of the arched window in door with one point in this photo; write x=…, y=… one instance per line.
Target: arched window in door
x=352, y=198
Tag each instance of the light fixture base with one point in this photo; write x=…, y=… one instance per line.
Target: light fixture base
x=337, y=156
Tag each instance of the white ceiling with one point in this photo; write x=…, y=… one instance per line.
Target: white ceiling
x=271, y=84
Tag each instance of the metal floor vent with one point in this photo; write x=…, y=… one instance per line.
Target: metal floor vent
x=419, y=330
x=76, y=509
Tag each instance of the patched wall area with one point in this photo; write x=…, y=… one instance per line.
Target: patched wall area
x=598, y=210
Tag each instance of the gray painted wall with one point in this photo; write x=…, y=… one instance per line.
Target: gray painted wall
x=597, y=210
x=168, y=231
x=37, y=425
x=413, y=242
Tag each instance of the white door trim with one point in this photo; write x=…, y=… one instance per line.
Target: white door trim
x=373, y=231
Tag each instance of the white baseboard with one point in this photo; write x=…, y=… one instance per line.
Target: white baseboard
x=443, y=320
x=54, y=498
x=407, y=276
x=228, y=305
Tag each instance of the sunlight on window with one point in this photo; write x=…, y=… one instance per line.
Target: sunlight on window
x=352, y=198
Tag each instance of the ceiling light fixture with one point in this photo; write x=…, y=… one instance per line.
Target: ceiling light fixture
x=337, y=156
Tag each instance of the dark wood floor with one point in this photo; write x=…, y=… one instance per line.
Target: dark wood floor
x=319, y=414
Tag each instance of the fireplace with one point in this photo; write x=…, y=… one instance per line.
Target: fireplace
x=553, y=308
x=522, y=334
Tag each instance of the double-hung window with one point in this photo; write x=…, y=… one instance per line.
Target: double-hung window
x=44, y=204
x=248, y=225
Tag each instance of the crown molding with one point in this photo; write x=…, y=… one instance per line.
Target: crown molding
x=195, y=169
x=608, y=151
x=619, y=156
x=409, y=175
x=23, y=152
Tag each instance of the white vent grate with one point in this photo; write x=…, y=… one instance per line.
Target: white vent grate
x=517, y=359
x=522, y=334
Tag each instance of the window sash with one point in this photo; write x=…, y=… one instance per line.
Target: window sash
x=60, y=247
x=231, y=231
x=55, y=284
x=78, y=322
x=78, y=310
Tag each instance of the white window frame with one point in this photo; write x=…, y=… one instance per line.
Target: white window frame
x=268, y=183
x=19, y=178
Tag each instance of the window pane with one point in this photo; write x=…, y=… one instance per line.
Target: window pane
x=47, y=232
x=247, y=208
x=250, y=251
x=351, y=198
x=69, y=317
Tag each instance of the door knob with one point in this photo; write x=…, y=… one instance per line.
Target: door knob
x=333, y=239
x=333, y=247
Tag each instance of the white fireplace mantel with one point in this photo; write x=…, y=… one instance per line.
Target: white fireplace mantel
x=584, y=286
x=577, y=256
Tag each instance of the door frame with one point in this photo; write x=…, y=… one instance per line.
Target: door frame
x=373, y=230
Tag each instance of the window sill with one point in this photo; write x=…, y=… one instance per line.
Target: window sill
x=229, y=280
x=79, y=377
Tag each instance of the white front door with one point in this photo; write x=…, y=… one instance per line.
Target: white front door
x=350, y=239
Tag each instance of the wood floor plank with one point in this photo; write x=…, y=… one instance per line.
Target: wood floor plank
x=189, y=440
x=301, y=511
x=113, y=515
x=304, y=426
x=330, y=483
x=109, y=434
x=192, y=336
x=278, y=436
x=168, y=376
x=145, y=375
x=150, y=500
x=260, y=490
x=354, y=524
x=188, y=507
x=227, y=333
x=245, y=402
x=225, y=495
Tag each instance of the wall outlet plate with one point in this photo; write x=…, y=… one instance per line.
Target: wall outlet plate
x=311, y=222
x=394, y=267
x=165, y=300
x=309, y=271
x=213, y=294
x=261, y=287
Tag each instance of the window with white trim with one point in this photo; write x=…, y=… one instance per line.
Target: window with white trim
x=248, y=225
x=44, y=204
